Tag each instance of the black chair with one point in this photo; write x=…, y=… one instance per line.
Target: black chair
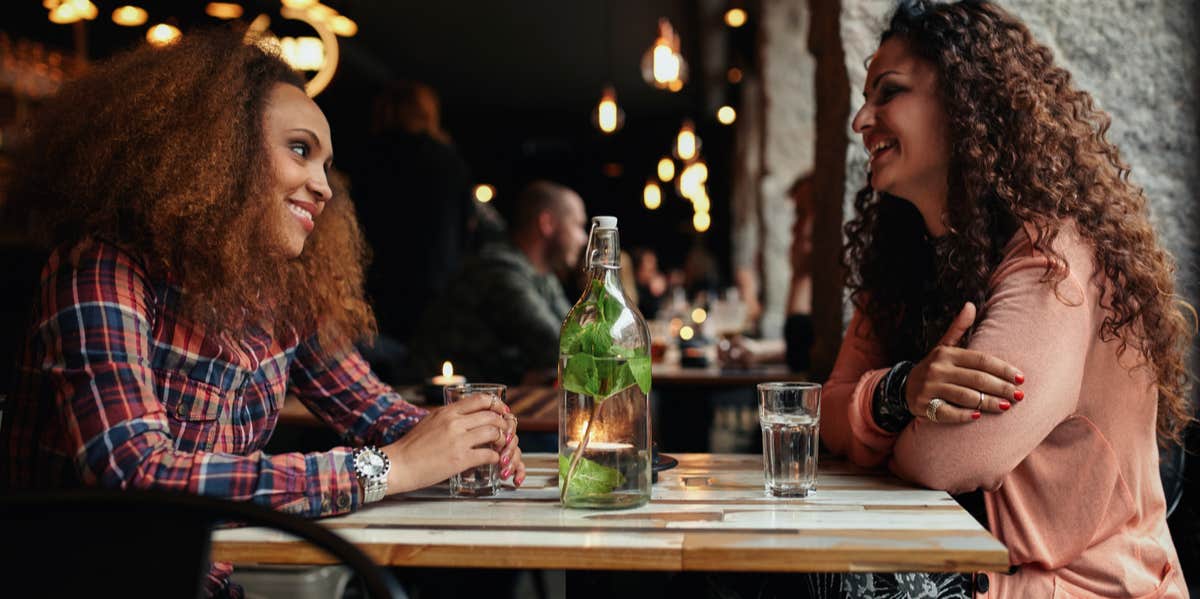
x=94, y=542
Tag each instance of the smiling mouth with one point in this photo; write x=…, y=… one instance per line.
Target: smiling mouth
x=881, y=147
x=306, y=217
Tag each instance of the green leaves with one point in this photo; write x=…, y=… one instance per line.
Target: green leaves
x=580, y=375
x=594, y=365
x=590, y=478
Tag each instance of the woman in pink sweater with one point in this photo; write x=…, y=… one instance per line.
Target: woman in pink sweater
x=1016, y=332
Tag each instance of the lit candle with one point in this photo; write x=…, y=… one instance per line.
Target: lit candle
x=448, y=377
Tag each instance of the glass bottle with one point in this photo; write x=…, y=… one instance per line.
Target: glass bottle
x=604, y=374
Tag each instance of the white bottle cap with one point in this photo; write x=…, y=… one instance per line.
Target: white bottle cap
x=604, y=222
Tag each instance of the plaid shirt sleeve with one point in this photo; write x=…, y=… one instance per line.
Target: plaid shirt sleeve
x=95, y=330
x=340, y=389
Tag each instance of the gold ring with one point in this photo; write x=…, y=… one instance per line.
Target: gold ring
x=932, y=408
x=493, y=404
x=980, y=406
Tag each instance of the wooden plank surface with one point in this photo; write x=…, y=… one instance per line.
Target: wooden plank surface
x=710, y=513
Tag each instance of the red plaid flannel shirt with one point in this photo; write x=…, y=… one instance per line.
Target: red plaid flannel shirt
x=115, y=389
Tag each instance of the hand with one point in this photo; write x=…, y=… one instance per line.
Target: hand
x=970, y=382
x=511, y=462
x=449, y=440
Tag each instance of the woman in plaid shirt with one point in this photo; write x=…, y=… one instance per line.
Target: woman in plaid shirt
x=206, y=265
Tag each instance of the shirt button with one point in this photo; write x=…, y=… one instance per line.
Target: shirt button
x=982, y=584
x=343, y=501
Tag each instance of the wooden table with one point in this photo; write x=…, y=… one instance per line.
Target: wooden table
x=708, y=514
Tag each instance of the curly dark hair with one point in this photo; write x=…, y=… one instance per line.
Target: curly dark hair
x=162, y=151
x=1027, y=148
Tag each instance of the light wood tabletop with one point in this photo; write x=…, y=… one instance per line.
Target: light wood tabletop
x=708, y=514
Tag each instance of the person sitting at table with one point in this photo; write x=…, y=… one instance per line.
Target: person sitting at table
x=500, y=317
x=206, y=262
x=1016, y=331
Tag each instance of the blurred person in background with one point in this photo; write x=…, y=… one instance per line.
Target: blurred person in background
x=499, y=318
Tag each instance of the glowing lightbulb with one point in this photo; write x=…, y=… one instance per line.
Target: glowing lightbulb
x=343, y=26
x=686, y=332
x=686, y=143
x=699, y=315
x=652, y=195
x=223, y=10
x=303, y=53
x=129, y=16
x=726, y=115
x=484, y=193
x=735, y=17
x=662, y=65
x=163, y=34
x=608, y=116
x=666, y=169
x=701, y=221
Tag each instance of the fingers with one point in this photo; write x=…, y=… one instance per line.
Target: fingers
x=969, y=398
x=473, y=403
x=483, y=418
x=948, y=413
x=517, y=468
x=985, y=362
x=491, y=436
x=962, y=322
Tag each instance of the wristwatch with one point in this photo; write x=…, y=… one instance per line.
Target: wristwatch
x=372, y=466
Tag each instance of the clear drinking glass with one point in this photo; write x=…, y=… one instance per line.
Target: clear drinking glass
x=480, y=481
x=790, y=417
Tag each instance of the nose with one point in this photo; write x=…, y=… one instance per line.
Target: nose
x=318, y=184
x=863, y=119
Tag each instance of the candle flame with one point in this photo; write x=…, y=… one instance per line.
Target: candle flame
x=447, y=368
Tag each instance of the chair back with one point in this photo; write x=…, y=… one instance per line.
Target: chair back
x=140, y=543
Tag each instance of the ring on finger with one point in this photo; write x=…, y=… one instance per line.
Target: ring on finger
x=492, y=405
x=980, y=406
x=932, y=408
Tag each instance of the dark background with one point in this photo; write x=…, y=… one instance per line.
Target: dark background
x=518, y=82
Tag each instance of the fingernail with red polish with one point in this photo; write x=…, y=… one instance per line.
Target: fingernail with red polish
x=505, y=473
x=520, y=480
x=508, y=439
x=976, y=415
x=1018, y=395
x=1004, y=405
x=504, y=460
x=1020, y=378
x=505, y=408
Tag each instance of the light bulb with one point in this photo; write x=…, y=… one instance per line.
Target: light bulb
x=163, y=34
x=652, y=195
x=223, y=10
x=484, y=193
x=663, y=65
x=735, y=17
x=129, y=16
x=666, y=169
x=608, y=116
x=686, y=332
x=726, y=115
x=701, y=221
x=686, y=143
x=699, y=315
x=343, y=26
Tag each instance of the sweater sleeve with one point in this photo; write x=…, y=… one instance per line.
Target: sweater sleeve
x=1042, y=328
x=847, y=425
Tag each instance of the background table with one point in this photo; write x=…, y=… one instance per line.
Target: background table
x=708, y=514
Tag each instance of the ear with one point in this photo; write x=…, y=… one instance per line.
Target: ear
x=546, y=223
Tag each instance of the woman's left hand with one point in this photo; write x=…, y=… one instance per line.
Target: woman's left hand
x=511, y=462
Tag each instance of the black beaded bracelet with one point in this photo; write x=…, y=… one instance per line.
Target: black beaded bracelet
x=888, y=405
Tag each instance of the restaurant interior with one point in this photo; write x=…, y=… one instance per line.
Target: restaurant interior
x=718, y=133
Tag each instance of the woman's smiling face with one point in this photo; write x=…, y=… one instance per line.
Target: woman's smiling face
x=903, y=126
x=301, y=153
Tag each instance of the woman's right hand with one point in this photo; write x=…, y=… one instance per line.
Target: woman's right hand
x=449, y=440
x=969, y=382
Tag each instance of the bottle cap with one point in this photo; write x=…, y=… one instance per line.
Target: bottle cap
x=604, y=222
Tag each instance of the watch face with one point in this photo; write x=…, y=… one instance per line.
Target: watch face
x=371, y=463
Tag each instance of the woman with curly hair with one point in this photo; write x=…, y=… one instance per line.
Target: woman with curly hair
x=1016, y=333
x=205, y=264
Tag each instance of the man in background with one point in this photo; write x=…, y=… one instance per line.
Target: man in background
x=500, y=317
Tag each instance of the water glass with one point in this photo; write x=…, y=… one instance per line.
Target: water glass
x=790, y=417
x=480, y=481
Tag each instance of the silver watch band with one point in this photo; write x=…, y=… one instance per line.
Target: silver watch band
x=373, y=490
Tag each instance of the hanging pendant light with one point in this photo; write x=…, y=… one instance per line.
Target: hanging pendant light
x=687, y=145
x=608, y=116
x=662, y=65
x=652, y=195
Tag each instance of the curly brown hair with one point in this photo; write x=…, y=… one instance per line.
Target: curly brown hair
x=162, y=151
x=1027, y=147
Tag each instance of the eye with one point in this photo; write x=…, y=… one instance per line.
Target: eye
x=300, y=148
x=887, y=92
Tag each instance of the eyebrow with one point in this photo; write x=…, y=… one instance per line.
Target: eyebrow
x=878, y=77
x=316, y=140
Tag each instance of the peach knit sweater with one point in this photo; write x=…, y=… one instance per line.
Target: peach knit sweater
x=1070, y=474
